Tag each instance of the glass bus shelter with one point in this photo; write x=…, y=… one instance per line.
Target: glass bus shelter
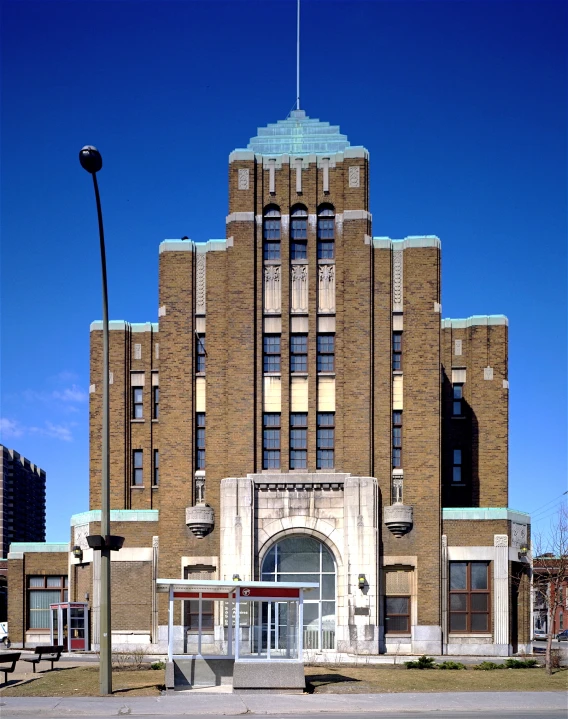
x=69, y=625
x=244, y=621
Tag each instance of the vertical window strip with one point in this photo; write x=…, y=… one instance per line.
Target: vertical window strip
x=200, y=354
x=397, y=439
x=271, y=346
x=137, y=402
x=271, y=235
x=299, y=234
x=299, y=440
x=156, y=478
x=457, y=408
x=326, y=235
x=397, y=351
x=457, y=466
x=156, y=402
x=326, y=352
x=137, y=468
x=325, y=440
x=200, y=440
x=271, y=441
x=298, y=353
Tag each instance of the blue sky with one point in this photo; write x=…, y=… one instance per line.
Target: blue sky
x=462, y=106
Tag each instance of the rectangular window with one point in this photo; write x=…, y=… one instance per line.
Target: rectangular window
x=325, y=440
x=458, y=398
x=200, y=353
x=43, y=591
x=137, y=468
x=397, y=615
x=200, y=440
x=192, y=615
x=397, y=438
x=155, y=402
x=271, y=237
x=156, y=480
x=469, y=597
x=299, y=440
x=326, y=353
x=457, y=468
x=298, y=353
x=137, y=402
x=272, y=353
x=271, y=441
x=326, y=243
x=299, y=238
x=397, y=351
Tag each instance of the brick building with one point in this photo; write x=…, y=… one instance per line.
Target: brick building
x=301, y=410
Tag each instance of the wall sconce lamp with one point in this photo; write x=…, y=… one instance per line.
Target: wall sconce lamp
x=523, y=550
x=78, y=553
x=362, y=581
x=236, y=578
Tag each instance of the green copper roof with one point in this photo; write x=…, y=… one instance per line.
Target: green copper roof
x=298, y=135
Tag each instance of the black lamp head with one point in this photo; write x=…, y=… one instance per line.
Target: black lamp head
x=90, y=159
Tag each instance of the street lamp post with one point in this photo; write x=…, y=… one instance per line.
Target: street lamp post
x=91, y=160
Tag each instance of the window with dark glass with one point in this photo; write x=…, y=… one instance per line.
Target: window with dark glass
x=397, y=438
x=137, y=402
x=271, y=353
x=43, y=591
x=156, y=468
x=457, y=467
x=326, y=234
x=469, y=597
x=457, y=410
x=191, y=615
x=200, y=353
x=397, y=351
x=156, y=402
x=299, y=234
x=271, y=234
x=137, y=468
x=325, y=440
x=326, y=352
x=271, y=441
x=299, y=440
x=298, y=353
x=200, y=440
x=397, y=615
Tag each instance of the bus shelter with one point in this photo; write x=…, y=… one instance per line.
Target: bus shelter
x=238, y=620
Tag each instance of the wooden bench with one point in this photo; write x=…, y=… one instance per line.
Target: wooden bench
x=45, y=653
x=5, y=659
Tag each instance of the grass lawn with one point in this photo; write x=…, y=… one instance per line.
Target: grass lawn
x=344, y=679
x=84, y=682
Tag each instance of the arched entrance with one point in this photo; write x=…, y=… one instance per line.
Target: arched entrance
x=305, y=559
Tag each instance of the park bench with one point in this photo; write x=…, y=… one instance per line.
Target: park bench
x=8, y=658
x=45, y=653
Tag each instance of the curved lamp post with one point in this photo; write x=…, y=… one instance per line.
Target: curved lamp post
x=91, y=160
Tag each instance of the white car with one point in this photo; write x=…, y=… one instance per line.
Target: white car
x=539, y=634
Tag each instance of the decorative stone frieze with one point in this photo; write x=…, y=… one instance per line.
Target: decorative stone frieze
x=398, y=518
x=243, y=179
x=272, y=289
x=397, y=265
x=326, y=288
x=299, y=294
x=200, y=287
x=200, y=519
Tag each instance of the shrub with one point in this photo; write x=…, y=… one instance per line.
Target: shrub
x=451, y=665
x=555, y=658
x=423, y=662
x=158, y=665
x=489, y=666
x=521, y=663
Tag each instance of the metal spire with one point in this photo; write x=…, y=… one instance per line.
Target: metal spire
x=298, y=57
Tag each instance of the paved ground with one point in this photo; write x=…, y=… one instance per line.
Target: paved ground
x=499, y=704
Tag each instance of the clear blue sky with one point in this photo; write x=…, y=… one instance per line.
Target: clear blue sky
x=462, y=106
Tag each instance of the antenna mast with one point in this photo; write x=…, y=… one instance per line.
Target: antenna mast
x=298, y=57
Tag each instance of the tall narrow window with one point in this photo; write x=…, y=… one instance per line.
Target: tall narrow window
x=271, y=441
x=200, y=440
x=137, y=402
x=299, y=234
x=397, y=350
x=469, y=597
x=326, y=234
x=200, y=353
x=299, y=440
x=43, y=591
x=156, y=402
x=325, y=440
x=298, y=353
x=326, y=353
x=137, y=468
x=271, y=234
x=397, y=438
x=272, y=353
x=458, y=399
x=457, y=468
x=156, y=468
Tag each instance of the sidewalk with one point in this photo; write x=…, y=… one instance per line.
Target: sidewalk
x=196, y=704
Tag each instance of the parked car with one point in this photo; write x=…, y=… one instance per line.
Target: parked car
x=4, y=638
x=539, y=634
x=562, y=636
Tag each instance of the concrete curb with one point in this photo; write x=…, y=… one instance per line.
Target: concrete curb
x=199, y=704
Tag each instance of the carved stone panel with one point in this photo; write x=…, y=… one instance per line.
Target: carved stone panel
x=519, y=534
x=397, y=260
x=299, y=294
x=200, y=287
x=243, y=179
x=354, y=176
x=272, y=289
x=326, y=288
x=81, y=532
